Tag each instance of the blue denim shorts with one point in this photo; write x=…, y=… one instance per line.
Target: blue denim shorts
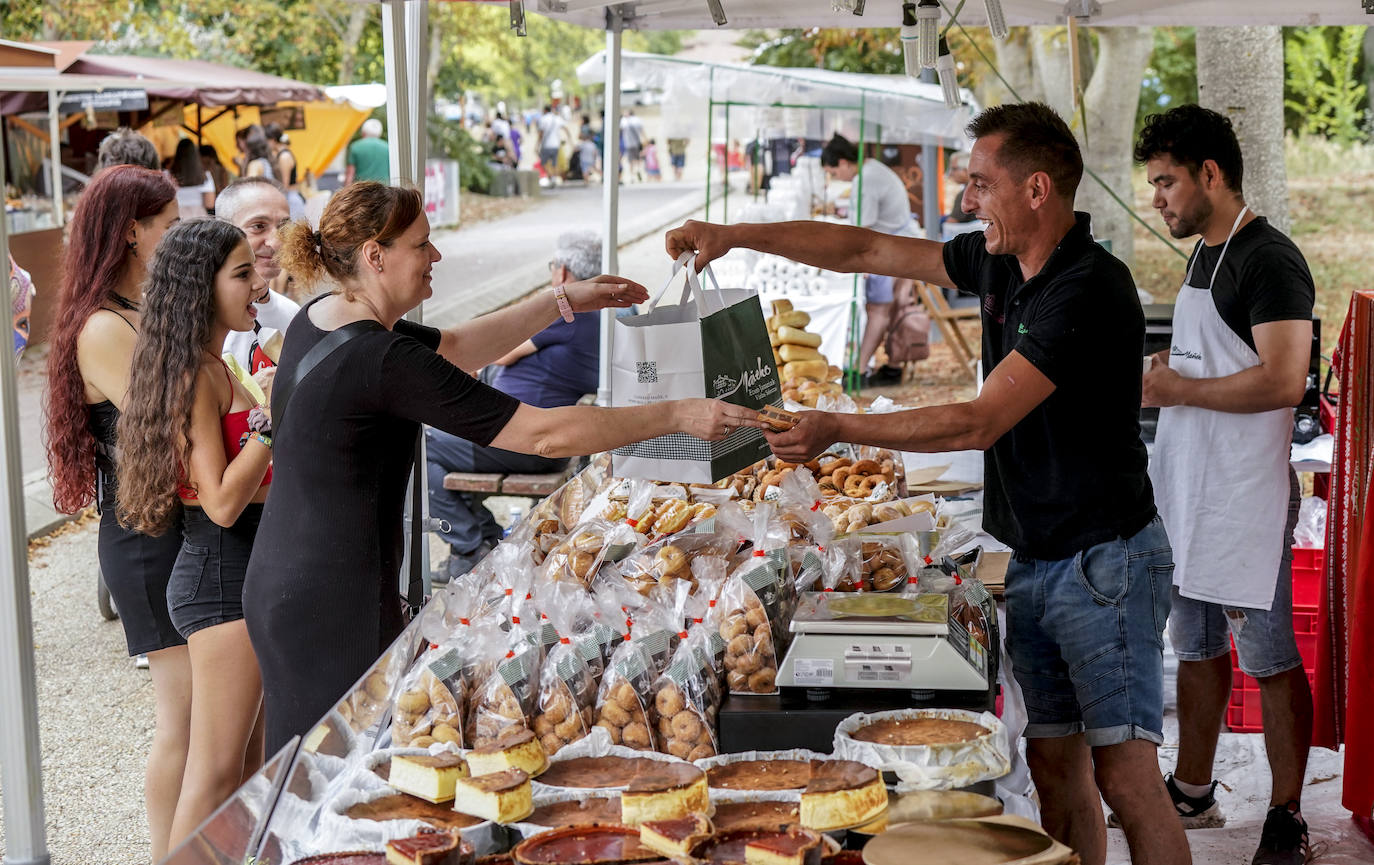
x=1085, y=635
x=878, y=288
x=1265, y=645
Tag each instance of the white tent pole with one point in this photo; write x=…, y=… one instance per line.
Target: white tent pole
x=610, y=191
x=396, y=48
x=21, y=769
x=59, y=206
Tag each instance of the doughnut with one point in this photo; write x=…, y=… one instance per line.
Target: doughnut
x=749, y=663
x=763, y=644
x=668, y=702
x=624, y=694
x=570, y=729
x=558, y=707
x=679, y=748
x=756, y=617
x=686, y=725
x=763, y=681
x=736, y=680
x=733, y=626
x=701, y=752
x=409, y=717
x=670, y=560
x=551, y=743
x=615, y=713
x=412, y=702
x=446, y=733
x=665, y=728
x=741, y=645
x=610, y=728
x=636, y=735
x=867, y=467
x=441, y=699
x=542, y=725
x=422, y=741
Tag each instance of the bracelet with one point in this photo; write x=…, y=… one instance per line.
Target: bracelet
x=264, y=438
x=561, y=295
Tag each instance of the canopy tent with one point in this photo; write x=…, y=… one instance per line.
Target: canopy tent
x=750, y=14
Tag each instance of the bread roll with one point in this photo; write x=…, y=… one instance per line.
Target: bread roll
x=792, y=353
x=812, y=369
x=781, y=306
x=796, y=318
x=796, y=336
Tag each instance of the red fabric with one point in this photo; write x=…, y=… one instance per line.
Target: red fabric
x=1346, y=617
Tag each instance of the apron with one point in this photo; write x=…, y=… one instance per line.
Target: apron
x=1220, y=478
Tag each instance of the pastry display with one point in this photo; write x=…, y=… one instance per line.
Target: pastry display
x=664, y=791
x=684, y=729
x=425, y=713
x=503, y=797
x=760, y=775
x=594, y=772
x=431, y=847
x=620, y=709
x=584, y=845
x=751, y=662
x=766, y=815
x=919, y=731
x=515, y=748
x=401, y=806
x=841, y=793
x=792, y=847
x=734, y=846
x=675, y=837
x=428, y=776
x=586, y=811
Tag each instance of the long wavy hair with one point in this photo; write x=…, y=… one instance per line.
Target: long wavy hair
x=178, y=313
x=96, y=259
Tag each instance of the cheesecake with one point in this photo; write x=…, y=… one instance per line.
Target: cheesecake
x=597, y=773
x=919, y=731
x=428, y=776
x=675, y=837
x=664, y=791
x=401, y=806
x=760, y=775
x=841, y=793
x=428, y=848
x=793, y=847
x=586, y=811
x=502, y=797
x=756, y=815
x=516, y=748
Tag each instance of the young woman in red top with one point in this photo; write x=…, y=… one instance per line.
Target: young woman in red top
x=183, y=402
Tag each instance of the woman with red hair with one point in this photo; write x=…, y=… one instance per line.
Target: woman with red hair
x=117, y=224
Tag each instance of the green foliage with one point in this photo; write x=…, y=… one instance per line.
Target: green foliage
x=1171, y=76
x=1324, y=93
x=874, y=51
x=449, y=140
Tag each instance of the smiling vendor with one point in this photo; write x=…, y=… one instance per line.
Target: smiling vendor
x=1063, y=333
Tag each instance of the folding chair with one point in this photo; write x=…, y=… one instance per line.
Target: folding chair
x=948, y=320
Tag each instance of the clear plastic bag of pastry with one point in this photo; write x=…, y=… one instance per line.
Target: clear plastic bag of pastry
x=686, y=703
x=752, y=600
x=670, y=559
x=800, y=501
x=710, y=573
x=653, y=628
x=508, y=697
x=883, y=561
x=429, y=707
x=567, y=690
x=624, y=702
x=581, y=553
x=841, y=567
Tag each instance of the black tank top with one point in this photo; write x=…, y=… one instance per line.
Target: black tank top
x=290, y=180
x=102, y=421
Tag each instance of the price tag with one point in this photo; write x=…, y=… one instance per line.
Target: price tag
x=814, y=671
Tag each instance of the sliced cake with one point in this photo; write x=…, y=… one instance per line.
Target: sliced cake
x=664, y=791
x=428, y=848
x=517, y=748
x=675, y=837
x=503, y=797
x=841, y=793
x=428, y=776
x=794, y=847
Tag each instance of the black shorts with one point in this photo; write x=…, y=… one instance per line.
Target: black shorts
x=206, y=588
x=136, y=568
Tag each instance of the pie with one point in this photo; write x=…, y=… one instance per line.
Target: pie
x=356, y=858
x=429, y=776
x=584, y=845
x=588, y=811
x=597, y=773
x=919, y=731
x=664, y=791
x=675, y=837
x=503, y=797
x=428, y=848
x=841, y=793
x=516, y=748
x=759, y=815
x=400, y=806
x=760, y=775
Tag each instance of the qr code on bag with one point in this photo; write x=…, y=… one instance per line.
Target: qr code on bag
x=648, y=371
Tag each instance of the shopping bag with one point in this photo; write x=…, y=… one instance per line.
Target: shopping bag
x=712, y=343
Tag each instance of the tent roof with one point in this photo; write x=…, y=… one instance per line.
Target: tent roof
x=694, y=14
x=906, y=109
x=200, y=82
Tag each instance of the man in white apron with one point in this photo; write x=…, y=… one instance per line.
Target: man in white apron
x=1238, y=362
x=1087, y=593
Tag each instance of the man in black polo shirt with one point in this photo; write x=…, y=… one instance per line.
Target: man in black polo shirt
x=1067, y=489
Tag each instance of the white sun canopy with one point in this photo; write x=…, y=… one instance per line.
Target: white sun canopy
x=752, y=14
x=903, y=109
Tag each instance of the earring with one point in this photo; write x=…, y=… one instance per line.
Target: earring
x=133, y=245
x=379, y=268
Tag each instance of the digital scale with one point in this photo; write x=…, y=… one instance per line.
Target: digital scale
x=879, y=640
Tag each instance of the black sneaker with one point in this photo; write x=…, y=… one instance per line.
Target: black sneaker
x=1194, y=812
x=459, y=564
x=1284, y=838
x=882, y=376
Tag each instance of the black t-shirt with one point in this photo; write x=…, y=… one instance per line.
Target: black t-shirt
x=1263, y=278
x=1072, y=473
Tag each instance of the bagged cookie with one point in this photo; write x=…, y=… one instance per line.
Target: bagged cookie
x=624, y=702
x=428, y=708
x=800, y=501
x=508, y=696
x=582, y=552
x=567, y=690
x=685, y=700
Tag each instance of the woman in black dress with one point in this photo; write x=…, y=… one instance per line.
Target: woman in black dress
x=321, y=599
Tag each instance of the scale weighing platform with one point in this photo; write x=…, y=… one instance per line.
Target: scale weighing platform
x=867, y=652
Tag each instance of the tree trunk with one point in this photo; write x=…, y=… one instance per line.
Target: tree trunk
x=1014, y=60
x=436, y=57
x=348, y=53
x=1053, y=73
x=1254, y=102
x=1110, y=101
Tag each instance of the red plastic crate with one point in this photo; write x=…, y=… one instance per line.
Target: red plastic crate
x=1244, y=715
x=1309, y=573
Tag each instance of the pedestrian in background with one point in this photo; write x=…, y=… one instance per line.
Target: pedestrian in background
x=369, y=157
x=126, y=147
x=195, y=186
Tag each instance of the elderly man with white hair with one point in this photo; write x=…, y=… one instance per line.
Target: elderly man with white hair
x=556, y=367
x=369, y=158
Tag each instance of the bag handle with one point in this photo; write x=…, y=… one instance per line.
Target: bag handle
x=702, y=297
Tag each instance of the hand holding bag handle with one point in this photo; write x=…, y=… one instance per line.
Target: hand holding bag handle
x=694, y=288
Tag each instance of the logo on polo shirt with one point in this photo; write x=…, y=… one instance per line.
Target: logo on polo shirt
x=1021, y=328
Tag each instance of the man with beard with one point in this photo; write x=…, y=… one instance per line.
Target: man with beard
x=1242, y=339
x=258, y=206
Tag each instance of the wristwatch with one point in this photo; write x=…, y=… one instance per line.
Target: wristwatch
x=561, y=295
